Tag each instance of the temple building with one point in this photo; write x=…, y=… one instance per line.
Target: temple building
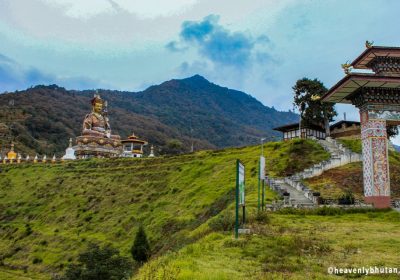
x=133, y=146
x=292, y=131
x=346, y=129
x=377, y=96
x=338, y=130
x=96, y=139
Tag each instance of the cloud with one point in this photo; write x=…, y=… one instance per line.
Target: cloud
x=14, y=76
x=218, y=44
x=143, y=9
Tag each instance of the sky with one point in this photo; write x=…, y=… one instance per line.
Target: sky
x=260, y=47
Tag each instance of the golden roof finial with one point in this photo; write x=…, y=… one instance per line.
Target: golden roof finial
x=369, y=44
x=346, y=67
x=315, y=97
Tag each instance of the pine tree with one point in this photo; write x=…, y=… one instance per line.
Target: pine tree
x=140, y=249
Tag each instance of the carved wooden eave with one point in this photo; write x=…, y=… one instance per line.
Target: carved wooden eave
x=362, y=61
x=344, y=90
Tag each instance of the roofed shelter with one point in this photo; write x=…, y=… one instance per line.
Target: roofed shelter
x=345, y=129
x=377, y=96
x=292, y=131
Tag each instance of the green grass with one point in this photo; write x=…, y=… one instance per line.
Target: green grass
x=352, y=144
x=336, y=182
x=289, y=246
x=49, y=213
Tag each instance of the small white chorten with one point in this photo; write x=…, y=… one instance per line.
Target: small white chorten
x=69, y=152
x=152, y=151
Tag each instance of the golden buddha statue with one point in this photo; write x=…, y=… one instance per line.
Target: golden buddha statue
x=96, y=123
x=96, y=139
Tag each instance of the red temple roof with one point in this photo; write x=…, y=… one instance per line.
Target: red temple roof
x=353, y=81
x=363, y=59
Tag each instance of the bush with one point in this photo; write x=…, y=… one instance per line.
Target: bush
x=347, y=198
x=262, y=217
x=99, y=264
x=140, y=249
x=37, y=260
x=223, y=222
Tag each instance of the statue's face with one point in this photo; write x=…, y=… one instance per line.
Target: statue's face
x=98, y=107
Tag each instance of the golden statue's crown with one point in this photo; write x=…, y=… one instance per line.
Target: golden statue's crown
x=97, y=99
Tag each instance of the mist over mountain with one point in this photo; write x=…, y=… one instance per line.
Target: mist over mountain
x=41, y=119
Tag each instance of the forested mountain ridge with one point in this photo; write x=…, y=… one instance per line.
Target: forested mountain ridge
x=41, y=119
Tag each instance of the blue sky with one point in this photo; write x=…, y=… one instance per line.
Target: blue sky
x=259, y=46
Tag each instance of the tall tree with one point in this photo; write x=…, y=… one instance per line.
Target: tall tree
x=99, y=263
x=140, y=249
x=392, y=131
x=307, y=94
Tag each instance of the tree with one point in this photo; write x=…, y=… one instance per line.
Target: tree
x=307, y=94
x=140, y=249
x=392, y=131
x=99, y=264
x=174, y=147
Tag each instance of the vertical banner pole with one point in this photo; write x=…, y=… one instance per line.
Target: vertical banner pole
x=259, y=190
x=244, y=214
x=263, y=194
x=237, y=201
x=261, y=179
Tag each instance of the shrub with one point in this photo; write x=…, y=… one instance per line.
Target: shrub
x=140, y=249
x=223, y=222
x=99, y=264
x=347, y=198
x=28, y=229
x=262, y=217
x=37, y=260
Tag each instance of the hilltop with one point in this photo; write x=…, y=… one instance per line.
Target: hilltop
x=49, y=213
x=42, y=119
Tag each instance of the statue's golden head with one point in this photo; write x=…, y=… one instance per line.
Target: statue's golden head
x=97, y=103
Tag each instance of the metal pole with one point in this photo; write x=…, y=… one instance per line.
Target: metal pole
x=300, y=111
x=244, y=215
x=263, y=194
x=237, y=201
x=259, y=191
x=262, y=146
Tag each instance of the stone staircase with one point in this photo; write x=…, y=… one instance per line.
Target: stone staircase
x=295, y=193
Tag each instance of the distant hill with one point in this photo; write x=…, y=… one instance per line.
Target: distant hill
x=397, y=148
x=42, y=119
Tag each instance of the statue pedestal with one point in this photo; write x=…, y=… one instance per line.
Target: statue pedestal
x=91, y=146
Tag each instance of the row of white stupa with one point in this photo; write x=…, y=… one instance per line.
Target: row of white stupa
x=27, y=158
x=69, y=155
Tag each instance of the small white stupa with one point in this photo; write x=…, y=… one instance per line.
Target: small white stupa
x=69, y=152
x=151, y=151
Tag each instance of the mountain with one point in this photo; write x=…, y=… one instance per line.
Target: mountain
x=397, y=148
x=42, y=119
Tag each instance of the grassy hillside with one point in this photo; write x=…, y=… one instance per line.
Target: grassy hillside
x=288, y=246
x=49, y=213
x=333, y=183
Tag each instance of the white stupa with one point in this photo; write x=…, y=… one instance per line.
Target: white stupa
x=151, y=151
x=69, y=152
